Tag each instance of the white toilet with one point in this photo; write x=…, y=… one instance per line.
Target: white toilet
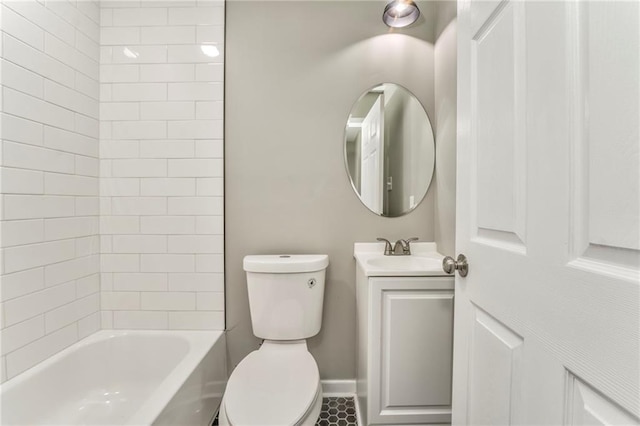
x=279, y=384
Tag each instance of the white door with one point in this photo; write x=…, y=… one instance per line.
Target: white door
x=547, y=321
x=372, y=157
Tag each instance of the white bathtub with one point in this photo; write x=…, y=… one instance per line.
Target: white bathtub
x=122, y=378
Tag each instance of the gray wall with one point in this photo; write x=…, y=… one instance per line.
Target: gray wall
x=445, y=171
x=293, y=72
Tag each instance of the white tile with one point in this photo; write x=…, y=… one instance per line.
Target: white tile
x=209, y=149
x=110, y=36
x=106, y=320
x=36, y=61
x=88, y=246
x=72, y=15
x=119, y=73
x=168, y=301
x=69, y=270
x=138, y=206
x=119, y=149
x=210, y=34
x=196, y=167
x=196, y=282
x=210, y=225
x=139, y=92
x=21, y=28
x=119, y=263
x=87, y=166
x=180, y=148
x=210, y=110
x=20, y=181
x=204, y=206
x=37, y=206
x=21, y=283
x=139, y=129
x=20, y=130
x=70, y=141
x=139, y=244
x=138, y=54
x=22, y=79
x=196, y=244
x=45, y=19
x=41, y=349
x=121, y=111
x=210, y=263
x=167, y=263
x=139, y=17
x=167, y=225
x=88, y=285
x=196, y=15
x=72, y=312
x=22, y=308
x=198, y=129
x=88, y=325
x=87, y=46
x=119, y=187
x=167, y=72
x=167, y=186
x=210, y=186
x=119, y=225
x=167, y=110
x=70, y=99
x=106, y=282
x=139, y=168
x=3, y=369
x=20, y=334
x=210, y=72
x=196, y=320
x=142, y=320
x=35, y=109
x=198, y=91
x=140, y=282
x=119, y=300
x=88, y=86
x=87, y=126
x=65, y=53
x=197, y=54
x=31, y=256
x=167, y=35
x=36, y=158
x=70, y=227
x=210, y=301
x=61, y=184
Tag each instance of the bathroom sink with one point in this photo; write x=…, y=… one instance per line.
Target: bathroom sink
x=403, y=262
x=424, y=260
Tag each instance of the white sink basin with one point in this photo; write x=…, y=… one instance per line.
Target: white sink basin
x=424, y=261
x=403, y=262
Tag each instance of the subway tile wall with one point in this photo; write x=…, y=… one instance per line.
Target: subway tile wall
x=49, y=129
x=161, y=164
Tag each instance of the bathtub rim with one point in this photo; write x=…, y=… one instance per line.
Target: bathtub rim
x=200, y=343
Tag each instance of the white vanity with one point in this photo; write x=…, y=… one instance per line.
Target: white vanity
x=405, y=336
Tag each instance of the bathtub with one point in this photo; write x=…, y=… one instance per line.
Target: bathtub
x=122, y=378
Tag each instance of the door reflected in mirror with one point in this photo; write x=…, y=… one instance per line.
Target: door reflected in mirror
x=389, y=150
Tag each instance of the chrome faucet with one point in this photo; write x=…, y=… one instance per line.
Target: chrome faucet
x=400, y=248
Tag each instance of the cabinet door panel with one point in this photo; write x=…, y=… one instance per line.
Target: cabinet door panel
x=412, y=321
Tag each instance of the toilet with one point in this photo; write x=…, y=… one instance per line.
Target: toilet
x=279, y=384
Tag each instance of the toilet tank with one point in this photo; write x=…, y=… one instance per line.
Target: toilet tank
x=286, y=293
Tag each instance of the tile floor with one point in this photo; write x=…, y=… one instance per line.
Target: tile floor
x=336, y=411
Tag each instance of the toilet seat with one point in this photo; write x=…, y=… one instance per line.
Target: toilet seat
x=275, y=385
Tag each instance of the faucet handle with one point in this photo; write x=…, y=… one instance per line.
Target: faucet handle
x=406, y=247
x=387, y=246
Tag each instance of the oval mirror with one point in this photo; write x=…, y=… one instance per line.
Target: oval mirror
x=389, y=150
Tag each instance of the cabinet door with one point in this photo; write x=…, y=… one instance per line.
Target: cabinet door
x=411, y=347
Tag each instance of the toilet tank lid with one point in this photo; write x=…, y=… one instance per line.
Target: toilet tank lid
x=285, y=263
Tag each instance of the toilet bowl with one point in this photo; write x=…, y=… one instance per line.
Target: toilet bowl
x=279, y=384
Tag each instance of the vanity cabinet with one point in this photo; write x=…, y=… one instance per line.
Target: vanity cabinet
x=405, y=342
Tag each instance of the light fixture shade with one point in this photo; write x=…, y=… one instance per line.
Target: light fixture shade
x=400, y=13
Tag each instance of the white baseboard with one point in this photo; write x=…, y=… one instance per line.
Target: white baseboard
x=338, y=387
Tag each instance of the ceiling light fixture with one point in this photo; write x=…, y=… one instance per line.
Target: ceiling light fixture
x=400, y=13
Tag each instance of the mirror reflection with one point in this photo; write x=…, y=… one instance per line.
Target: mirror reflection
x=389, y=150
